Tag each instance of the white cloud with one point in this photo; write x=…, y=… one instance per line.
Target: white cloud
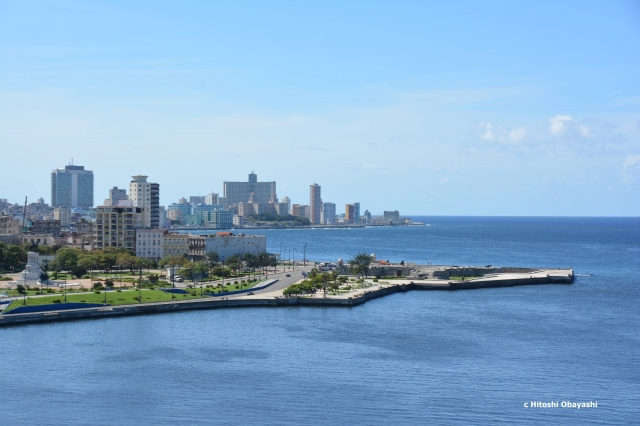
x=444, y=181
x=560, y=124
x=501, y=135
x=630, y=167
x=518, y=135
x=487, y=131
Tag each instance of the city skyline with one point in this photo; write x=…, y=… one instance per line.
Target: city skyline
x=425, y=108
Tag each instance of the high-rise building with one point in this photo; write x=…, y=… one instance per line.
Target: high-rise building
x=286, y=200
x=72, y=187
x=211, y=199
x=115, y=196
x=356, y=213
x=392, y=217
x=63, y=214
x=349, y=213
x=197, y=199
x=116, y=226
x=239, y=192
x=315, y=203
x=366, y=218
x=300, y=210
x=328, y=213
x=147, y=195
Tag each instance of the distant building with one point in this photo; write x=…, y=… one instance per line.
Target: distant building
x=178, y=211
x=356, y=213
x=63, y=214
x=147, y=195
x=391, y=217
x=149, y=243
x=197, y=199
x=227, y=244
x=72, y=187
x=273, y=207
x=315, y=203
x=115, y=196
x=239, y=192
x=50, y=227
x=286, y=200
x=116, y=226
x=366, y=218
x=211, y=199
x=197, y=247
x=162, y=217
x=221, y=219
x=9, y=226
x=300, y=210
x=182, y=200
x=349, y=213
x=174, y=244
x=328, y=214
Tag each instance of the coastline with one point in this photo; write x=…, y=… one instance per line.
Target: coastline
x=557, y=276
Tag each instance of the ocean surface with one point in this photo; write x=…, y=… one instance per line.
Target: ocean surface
x=430, y=357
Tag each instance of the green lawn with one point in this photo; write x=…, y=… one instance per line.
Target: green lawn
x=460, y=278
x=125, y=297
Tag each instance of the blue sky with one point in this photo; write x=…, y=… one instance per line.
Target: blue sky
x=463, y=108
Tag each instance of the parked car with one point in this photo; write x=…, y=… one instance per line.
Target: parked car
x=177, y=279
x=250, y=293
x=288, y=275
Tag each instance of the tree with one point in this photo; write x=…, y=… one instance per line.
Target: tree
x=66, y=259
x=213, y=257
x=359, y=264
x=21, y=289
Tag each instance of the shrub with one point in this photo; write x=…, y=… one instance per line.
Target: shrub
x=83, y=300
x=50, y=290
x=237, y=286
x=96, y=291
x=119, y=291
x=193, y=294
x=5, y=279
x=347, y=287
x=57, y=301
x=108, y=283
x=235, y=282
x=375, y=280
x=86, y=276
x=136, y=298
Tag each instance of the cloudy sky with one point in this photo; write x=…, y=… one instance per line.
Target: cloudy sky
x=467, y=108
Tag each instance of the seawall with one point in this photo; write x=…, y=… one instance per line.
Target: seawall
x=211, y=303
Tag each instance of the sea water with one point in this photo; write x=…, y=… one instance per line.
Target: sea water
x=423, y=357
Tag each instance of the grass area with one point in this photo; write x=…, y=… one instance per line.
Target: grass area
x=460, y=278
x=124, y=297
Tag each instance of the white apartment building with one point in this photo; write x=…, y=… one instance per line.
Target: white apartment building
x=328, y=214
x=227, y=244
x=146, y=195
x=149, y=243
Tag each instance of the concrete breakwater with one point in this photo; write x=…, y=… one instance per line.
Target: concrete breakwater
x=499, y=280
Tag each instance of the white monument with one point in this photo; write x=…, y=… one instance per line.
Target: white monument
x=32, y=271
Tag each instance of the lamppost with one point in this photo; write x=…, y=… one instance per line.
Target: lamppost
x=305, y=254
x=139, y=285
x=294, y=259
x=65, y=291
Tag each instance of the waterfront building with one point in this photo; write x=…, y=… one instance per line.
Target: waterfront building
x=299, y=210
x=219, y=218
x=328, y=214
x=356, y=213
x=252, y=207
x=223, y=202
x=366, y=218
x=211, y=199
x=72, y=187
x=286, y=200
x=239, y=192
x=182, y=200
x=349, y=213
x=63, y=214
x=227, y=244
x=197, y=199
x=149, y=243
x=146, y=195
x=315, y=203
x=174, y=244
x=391, y=217
x=116, y=226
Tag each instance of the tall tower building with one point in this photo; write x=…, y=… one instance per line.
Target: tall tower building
x=72, y=187
x=328, y=213
x=356, y=213
x=349, y=213
x=147, y=195
x=315, y=203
